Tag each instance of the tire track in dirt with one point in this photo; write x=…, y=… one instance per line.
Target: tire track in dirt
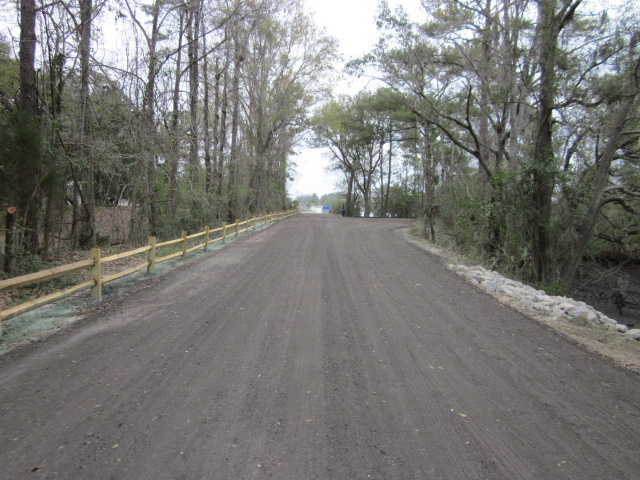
x=402, y=393
x=504, y=352
x=321, y=348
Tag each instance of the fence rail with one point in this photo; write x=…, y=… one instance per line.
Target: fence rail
x=95, y=262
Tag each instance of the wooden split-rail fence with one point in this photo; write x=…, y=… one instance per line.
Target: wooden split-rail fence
x=95, y=262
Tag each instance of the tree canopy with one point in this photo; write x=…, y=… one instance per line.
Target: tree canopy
x=513, y=126
x=190, y=122
x=509, y=127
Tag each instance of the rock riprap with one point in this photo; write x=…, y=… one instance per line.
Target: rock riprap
x=534, y=302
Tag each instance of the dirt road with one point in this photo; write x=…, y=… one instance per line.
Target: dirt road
x=321, y=348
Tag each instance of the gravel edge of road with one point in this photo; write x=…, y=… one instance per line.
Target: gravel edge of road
x=597, y=339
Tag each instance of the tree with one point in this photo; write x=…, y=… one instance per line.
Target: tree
x=514, y=88
x=356, y=131
x=551, y=21
x=28, y=128
x=603, y=191
x=192, y=121
x=85, y=190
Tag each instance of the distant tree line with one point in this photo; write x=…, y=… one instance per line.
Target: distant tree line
x=511, y=127
x=192, y=121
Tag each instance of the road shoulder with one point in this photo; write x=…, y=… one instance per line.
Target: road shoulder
x=596, y=338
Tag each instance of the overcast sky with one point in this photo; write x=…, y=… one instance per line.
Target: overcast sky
x=352, y=22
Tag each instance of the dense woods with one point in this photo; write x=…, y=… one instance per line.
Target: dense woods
x=184, y=112
x=511, y=127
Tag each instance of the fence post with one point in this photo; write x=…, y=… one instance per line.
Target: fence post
x=237, y=228
x=224, y=232
x=206, y=238
x=184, y=244
x=151, y=255
x=96, y=274
x=9, y=239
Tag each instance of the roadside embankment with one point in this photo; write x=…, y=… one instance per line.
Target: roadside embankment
x=575, y=320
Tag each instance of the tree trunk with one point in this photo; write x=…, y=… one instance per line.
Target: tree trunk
x=222, y=135
x=543, y=154
x=193, y=51
x=46, y=223
x=28, y=180
x=386, y=195
x=149, y=129
x=234, y=168
x=382, y=211
x=350, y=202
x=87, y=215
x=28, y=99
x=55, y=188
x=215, y=127
x=601, y=179
x=206, y=132
x=429, y=208
x=174, y=152
x=9, y=242
x=483, y=71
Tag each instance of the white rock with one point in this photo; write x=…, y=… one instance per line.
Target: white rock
x=585, y=314
x=634, y=333
x=523, y=306
x=577, y=313
x=590, y=316
x=506, y=289
x=477, y=269
x=530, y=300
x=481, y=278
x=556, y=313
x=543, y=310
x=567, y=307
x=491, y=286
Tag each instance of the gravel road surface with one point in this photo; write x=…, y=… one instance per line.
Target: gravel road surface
x=320, y=348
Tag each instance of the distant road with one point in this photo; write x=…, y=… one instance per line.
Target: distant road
x=321, y=348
